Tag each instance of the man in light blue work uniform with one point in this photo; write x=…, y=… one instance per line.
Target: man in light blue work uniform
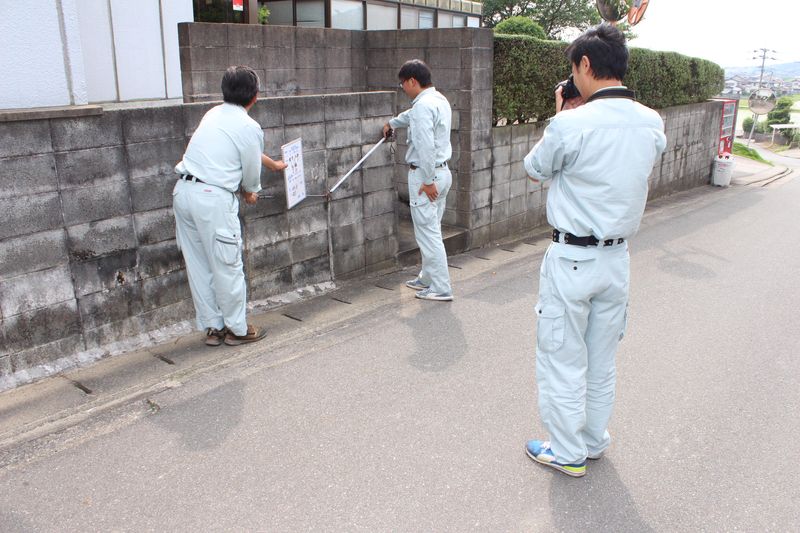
x=598, y=154
x=429, y=178
x=224, y=155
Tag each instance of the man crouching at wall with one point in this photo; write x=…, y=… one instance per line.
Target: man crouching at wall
x=224, y=155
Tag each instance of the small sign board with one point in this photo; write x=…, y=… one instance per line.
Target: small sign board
x=294, y=174
x=238, y=5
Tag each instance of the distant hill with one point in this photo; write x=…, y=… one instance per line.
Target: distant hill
x=783, y=70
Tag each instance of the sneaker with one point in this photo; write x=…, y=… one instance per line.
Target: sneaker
x=416, y=284
x=595, y=456
x=428, y=294
x=253, y=334
x=540, y=452
x=214, y=336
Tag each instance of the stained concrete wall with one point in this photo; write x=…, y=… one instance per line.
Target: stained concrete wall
x=87, y=235
x=509, y=203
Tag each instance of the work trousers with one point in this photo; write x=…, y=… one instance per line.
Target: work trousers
x=582, y=315
x=427, y=219
x=209, y=235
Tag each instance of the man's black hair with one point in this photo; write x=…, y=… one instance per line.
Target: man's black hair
x=239, y=85
x=416, y=69
x=604, y=45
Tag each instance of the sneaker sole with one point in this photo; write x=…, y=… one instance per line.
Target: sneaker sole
x=436, y=298
x=238, y=342
x=415, y=287
x=565, y=469
x=215, y=342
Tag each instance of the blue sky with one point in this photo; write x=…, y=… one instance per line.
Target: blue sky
x=724, y=31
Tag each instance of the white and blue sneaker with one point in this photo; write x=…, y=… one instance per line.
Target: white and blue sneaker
x=540, y=452
x=416, y=284
x=428, y=294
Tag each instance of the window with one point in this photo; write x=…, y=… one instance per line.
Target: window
x=412, y=17
x=347, y=14
x=425, y=18
x=311, y=13
x=381, y=17
x=445, y=20
x=280, y=12
x=459, y=21
x=473, y=22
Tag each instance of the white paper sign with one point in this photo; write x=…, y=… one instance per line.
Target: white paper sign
x=294, y=174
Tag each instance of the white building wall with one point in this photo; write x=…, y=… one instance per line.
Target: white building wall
x=32, y=56
x=65, y=52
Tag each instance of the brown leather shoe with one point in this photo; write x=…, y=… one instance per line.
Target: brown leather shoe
x=253, y=334
x=214, y=336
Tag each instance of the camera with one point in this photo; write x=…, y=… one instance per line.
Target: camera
x=569, y=90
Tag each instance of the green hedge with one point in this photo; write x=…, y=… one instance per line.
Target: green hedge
x=527, y=69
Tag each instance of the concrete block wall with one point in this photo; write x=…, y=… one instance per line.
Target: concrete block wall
x=508, y=203
x=289, y=60
x=87, y=236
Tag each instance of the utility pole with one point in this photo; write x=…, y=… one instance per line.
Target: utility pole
x=764, y=52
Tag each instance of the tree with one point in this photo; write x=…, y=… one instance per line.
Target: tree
x=782, y=112
x=554, y=16
x=520, y=26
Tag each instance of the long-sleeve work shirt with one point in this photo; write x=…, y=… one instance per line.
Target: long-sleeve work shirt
x=599, y=157
x=225, y=150
x=428, y=122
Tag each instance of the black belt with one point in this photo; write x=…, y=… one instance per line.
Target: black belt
x=189, y=177
x=412, y=166
x=591, y=240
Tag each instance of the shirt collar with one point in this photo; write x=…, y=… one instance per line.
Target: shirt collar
x=429, y=89
x=607, y=88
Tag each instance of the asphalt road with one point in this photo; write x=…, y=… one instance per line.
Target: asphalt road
x=413, y=416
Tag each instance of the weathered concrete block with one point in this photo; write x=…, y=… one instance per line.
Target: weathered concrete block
x=25, y=138
x=109, y=306
x=480, y=198
x=518, y=224
x=155, y=226
x=501, y=155
x=342, y=133
x=316, y=171
x=87, y=132
x=193, y=114
x=206, y=58
x=342, y=107
x=499, y=210
x=380, y=158
x=165, y=290
x=306, y=247
x=372, y=128
x=280, y=58
x=85, y=204
x=303, y=110
x=29, y=214
x=501, y=136
x=35, y=290
x=480, y=217
x=518, y=187
x=151, y=123
x=268, y=230
x=152, y=192
x=270, y=284
x=32, y=253
x=346, y=211
x=340, y=160
x=87, y=241
x=381, y=250
x=268, y=258
x=304, y=220
x=310, y=80
x=379, y=202
x=499, y=229
x=347, y=261
x=91, y=167
x=27, y=175
x=380, y=226
x=202, y=34
x=313, y=136
x=104, y=273
x=482, y=159
x=382, y=78
x=264, y=207
x=310, y=37
x=245, y=35
x=381, y=39
x=152, y=158
x=384, y=58
x=378, y=178
x=312, y=271
x=42, y=326
x=477, y=58
x=274, y=138
x=279, y=36
x=338, y=57
x=345, y=237
x=158, y=259
x=517, y=205
x=352, y=186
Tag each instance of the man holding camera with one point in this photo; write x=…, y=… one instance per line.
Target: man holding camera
x=224, y=155
x=598, y=152
x=429, y=177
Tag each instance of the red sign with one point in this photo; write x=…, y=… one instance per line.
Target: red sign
x=238, y=5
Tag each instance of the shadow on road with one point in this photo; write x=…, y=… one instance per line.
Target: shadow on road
x=598, y=502
x=429, y=329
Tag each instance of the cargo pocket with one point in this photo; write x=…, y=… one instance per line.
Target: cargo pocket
x=550, y=326
x=227, y=247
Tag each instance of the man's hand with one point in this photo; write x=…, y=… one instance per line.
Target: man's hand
x=387, y=131
x=271, y=164
x=250, y=198
x=279, y=165
x=572, y=103
x=430, y=191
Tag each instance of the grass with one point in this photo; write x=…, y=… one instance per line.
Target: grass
x=743, y=151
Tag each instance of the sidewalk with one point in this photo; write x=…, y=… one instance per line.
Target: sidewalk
x=749, y=172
